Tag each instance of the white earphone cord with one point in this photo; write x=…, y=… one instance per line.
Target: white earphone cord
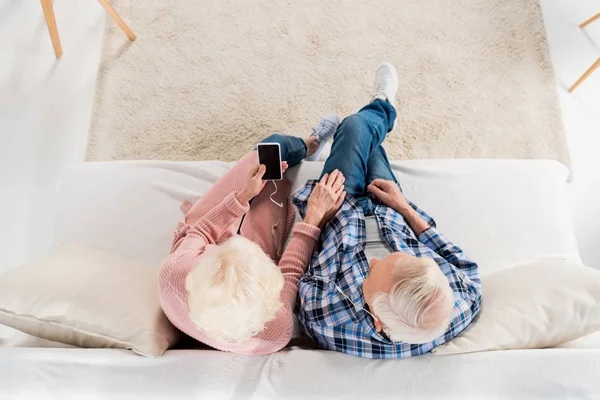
x=272, y=194
x=280, y=205
x=340, y=291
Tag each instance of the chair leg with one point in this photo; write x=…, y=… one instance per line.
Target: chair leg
x=51, y=22
x=586, y=75
x=589, y=21
x=117, y=18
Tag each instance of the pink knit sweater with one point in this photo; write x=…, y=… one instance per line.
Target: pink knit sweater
x=216, y=217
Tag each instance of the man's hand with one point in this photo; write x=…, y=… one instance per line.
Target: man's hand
x=389, y=194
x=326, y=199
x=255, y=183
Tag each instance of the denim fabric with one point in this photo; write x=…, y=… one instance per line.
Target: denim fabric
x=357, y=150
x=293, y=149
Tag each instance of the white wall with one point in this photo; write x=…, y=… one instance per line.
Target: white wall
x=45, y=108
x=573, y=51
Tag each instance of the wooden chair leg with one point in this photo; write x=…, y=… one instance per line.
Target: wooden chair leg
x=51, y=22
x=589, y=21
x=586, y=75
x=117, y=18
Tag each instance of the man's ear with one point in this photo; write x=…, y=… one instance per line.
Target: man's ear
x=378, y=325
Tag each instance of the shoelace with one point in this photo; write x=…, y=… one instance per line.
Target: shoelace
x=381, y=85
x=323, y=127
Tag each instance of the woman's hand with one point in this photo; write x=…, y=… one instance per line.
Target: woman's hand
x=326, y=199
x=389, y=194
x=255, y=182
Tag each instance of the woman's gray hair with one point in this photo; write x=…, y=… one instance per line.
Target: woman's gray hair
x=234, y=290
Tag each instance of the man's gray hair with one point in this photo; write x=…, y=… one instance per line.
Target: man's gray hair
x=420, y=305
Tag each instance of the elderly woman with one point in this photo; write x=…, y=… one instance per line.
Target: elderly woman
x=226, y=282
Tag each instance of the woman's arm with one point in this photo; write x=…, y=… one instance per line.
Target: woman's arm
x=325, y=200
x=278, y=332
x=211, y=227
x=216, y=223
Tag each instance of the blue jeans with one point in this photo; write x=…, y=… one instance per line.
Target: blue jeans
x=357, y=150
x=293, y=149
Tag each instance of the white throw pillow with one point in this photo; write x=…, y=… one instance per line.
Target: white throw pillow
x=87, y=298
x=536, y=305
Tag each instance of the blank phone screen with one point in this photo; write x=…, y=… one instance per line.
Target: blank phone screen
x=268, y=154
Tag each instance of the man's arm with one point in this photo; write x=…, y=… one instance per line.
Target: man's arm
x=414, y=220
x=461, y=272
x=437, y=242
x=389, y=193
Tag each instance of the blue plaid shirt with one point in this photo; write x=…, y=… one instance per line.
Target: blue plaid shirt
x=337, y=323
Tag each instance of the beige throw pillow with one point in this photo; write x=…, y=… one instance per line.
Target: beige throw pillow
x=591, y=341
x=537, y=305
x=87, y=298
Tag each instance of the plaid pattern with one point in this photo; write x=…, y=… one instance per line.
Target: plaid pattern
x=339, y=323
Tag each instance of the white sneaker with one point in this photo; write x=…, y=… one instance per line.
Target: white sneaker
x=386, y=83
x=324, y=132
x=326, y=151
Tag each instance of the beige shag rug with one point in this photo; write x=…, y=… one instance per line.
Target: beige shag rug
x=208, y=79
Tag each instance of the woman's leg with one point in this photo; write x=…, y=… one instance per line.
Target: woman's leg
x=355, y=140
x=293, y=149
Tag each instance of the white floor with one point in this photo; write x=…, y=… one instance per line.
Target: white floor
x=45, y=108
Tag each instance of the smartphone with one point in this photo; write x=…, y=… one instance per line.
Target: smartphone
x=269, y=154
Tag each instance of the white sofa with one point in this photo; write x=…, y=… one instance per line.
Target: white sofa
x=501, y=212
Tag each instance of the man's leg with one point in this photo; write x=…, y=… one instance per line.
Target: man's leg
x=379, y=167
x=357, y=137
x=361, y=134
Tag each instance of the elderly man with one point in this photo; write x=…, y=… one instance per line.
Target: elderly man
x=384, y=282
